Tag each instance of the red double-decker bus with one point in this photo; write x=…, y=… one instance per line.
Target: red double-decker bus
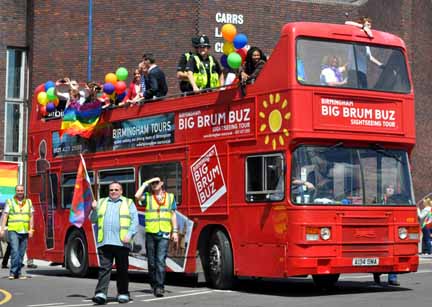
x=306, y=174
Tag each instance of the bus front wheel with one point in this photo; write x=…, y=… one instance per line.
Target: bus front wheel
x=325, y=281
x=77, y=254
x=220, y=261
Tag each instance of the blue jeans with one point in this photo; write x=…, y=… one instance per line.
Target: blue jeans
x=392, y=277
x=18, y=243
x=157, y=250
x=426, y=241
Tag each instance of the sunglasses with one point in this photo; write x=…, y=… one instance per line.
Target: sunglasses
x=114, y=190
x=155, y=182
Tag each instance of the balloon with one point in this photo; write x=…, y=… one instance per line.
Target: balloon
x=49, y=84
x=108, y=88
x=121, y=73
x=240, y=40
x=42, y=98
x=228, y=48
x=56, y=102
x=50, y=107
x=51, y=94
x=121, y=96
x=234, y=60
x=120, y=87
x=229, y=31
x=224, y=61
x=242, y=52
x=43, y=111
x=110, y=78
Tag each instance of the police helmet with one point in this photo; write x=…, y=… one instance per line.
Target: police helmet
x=203, y=41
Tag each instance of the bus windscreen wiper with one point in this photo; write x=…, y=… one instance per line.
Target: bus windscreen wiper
x=385, y=152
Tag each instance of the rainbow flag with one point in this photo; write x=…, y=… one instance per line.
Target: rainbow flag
x=81, y=119
x=82, y=197
x=8, y=181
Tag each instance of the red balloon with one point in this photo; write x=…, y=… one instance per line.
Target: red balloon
x=120, y=87
x=39, y=88
x=242, y=52
x=42, y=110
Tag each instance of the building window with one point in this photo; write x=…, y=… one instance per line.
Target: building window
x=14, y=101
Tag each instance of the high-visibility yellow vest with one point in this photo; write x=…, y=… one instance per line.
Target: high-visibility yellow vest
x=200, y=77
x=19, y=217
x=125, y=219
x=158, y=216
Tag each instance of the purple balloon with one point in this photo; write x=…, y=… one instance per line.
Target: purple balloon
x=108, y=88
x=48, y=85
x=121, y=96
x=224, y=61
x=50, y=107
x=240, y=40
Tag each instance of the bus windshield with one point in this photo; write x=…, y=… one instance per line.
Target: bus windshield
x=351, y=65
x=350, y=176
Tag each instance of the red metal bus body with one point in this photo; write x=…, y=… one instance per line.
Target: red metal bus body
x=235, y=163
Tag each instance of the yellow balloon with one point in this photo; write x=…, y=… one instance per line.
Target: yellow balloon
x=228, y=48
x=229, y=31
x=42, y=98
x=111, y=78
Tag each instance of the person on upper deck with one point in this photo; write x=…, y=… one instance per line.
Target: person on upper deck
x=332, y=72
x=157, y=84
x=254, y=62
x=358, y=59
x=182, y=73
x=134, y=94
x=203, y=69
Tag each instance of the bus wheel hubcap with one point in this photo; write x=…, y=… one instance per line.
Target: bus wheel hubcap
x=215, y=259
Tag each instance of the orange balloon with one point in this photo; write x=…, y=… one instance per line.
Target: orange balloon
x=111, y=78
x=229, y=31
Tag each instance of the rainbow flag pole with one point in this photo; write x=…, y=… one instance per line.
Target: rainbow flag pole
x=82, y=197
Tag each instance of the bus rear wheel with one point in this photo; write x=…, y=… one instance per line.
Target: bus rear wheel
x=325, y=281
x=77, y=254
x=220, y=261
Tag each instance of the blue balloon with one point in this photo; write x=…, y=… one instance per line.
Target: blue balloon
x=49, y=84
x=240, y=40
x=121, y=96
x=50, y=107
x=108, y=88
x=224, y=61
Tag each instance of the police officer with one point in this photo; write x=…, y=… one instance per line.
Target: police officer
x=160, y=225
x=203, y=69
x=182, y=74
x=18, y=213
x=117, y=221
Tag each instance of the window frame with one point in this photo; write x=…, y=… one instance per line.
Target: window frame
x=268, y=194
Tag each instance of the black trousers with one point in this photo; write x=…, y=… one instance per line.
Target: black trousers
x=107, y=254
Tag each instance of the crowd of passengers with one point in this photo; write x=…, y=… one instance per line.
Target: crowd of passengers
x=197, y=71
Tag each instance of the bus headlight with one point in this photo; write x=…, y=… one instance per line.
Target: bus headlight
x=403, y=233
x=325, y=233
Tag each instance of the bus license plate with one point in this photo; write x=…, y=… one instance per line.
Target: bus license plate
x=365, y=261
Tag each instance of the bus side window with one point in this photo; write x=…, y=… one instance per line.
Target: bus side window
x=170, y=173
x=265, y=178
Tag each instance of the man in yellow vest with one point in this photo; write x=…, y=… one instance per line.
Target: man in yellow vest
x=18, y=213
x=182, y=73
x=203, y=69
x=117, y=221
x=160, y=226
